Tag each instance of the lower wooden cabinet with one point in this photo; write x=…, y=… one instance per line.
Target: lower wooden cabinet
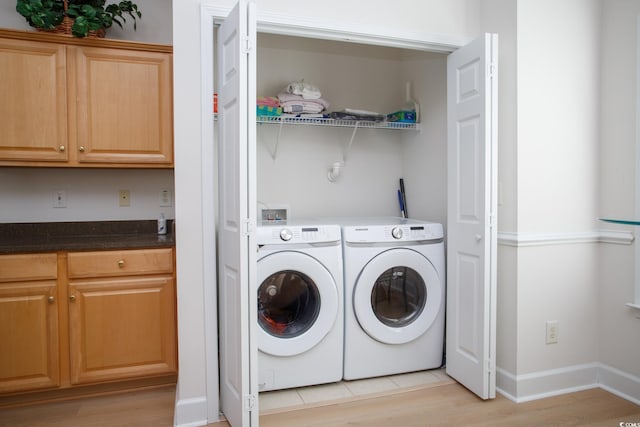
x=120, y=328
x=29, y=357
x=116, y=311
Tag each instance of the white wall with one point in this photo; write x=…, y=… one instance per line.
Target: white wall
x=619, y=327
x=26, y=194
x=425, y=152
x=557, y=134
x=155, y=26
x=362, y=77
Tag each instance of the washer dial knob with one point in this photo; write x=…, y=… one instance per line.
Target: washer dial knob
x=396, y=232
x=286, y=234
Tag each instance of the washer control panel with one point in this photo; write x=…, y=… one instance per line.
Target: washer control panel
x=298, y=234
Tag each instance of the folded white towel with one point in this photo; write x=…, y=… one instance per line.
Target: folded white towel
x=284, y=98
x=302, y=107
x=304, y=89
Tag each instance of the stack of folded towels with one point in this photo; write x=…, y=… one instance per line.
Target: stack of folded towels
x=268, y=106
x=300, y=98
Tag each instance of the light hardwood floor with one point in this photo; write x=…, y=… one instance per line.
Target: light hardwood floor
x=442, y=405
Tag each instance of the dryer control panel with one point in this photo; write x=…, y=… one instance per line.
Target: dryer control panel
x=393, y=233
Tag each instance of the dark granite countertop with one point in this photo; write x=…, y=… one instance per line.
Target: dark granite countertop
x=83, y=236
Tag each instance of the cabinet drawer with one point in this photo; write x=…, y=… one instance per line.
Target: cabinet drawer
x=120, y=263
x=15, y=268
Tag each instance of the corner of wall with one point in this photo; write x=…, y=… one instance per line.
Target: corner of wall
x=554, y=382
x=190, y=412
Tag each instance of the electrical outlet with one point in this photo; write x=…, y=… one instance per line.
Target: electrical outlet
x=124, y=197
x=552, y=331
x=165, y=197
x=59, y=199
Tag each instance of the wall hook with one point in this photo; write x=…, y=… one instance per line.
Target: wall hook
x=334, y=171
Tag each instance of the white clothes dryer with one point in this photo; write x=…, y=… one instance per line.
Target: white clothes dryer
x=394, y=296
x=300, y=304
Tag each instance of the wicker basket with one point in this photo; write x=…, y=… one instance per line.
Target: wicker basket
x=65, y=27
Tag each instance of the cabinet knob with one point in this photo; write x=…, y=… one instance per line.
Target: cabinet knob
x=121, y=263
x=81, y=149
x=51, y=298
x=72, y=298
x=62, y=148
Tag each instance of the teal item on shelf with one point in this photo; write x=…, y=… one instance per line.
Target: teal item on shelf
x=402, y=116
x=266, y=110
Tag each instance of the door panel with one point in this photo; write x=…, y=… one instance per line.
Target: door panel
x=130, y=88
x=237, y=260
x=33, y=101
x=471, y=210
x=121, y=328
x=29, y=358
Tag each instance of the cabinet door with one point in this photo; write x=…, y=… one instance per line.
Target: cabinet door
x=123, y=112
x=33, y=102
x=122, y=328
x=28, y=336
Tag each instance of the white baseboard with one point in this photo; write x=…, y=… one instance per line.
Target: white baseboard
x=554, y=382
x=190, y=412
x=620, y=383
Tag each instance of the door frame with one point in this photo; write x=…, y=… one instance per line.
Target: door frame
x=273, y=23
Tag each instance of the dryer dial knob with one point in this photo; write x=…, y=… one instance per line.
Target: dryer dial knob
x=396, y=232
x=286, y=234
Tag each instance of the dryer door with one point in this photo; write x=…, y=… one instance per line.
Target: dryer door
x=297, y=303
x=397, y=296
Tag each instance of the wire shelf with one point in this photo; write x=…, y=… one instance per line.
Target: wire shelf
x=318, y=121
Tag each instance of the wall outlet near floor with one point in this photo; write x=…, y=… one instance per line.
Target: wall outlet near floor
x=165, y=197
x=59, y=199
x=124, y=198
x=552, y=331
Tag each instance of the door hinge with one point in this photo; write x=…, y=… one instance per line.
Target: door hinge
x=247, y=227
x=491, y=220
x=246, y=47
x=249, y=402
x=492, y=70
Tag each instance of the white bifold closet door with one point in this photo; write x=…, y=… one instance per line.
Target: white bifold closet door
x=471, y=215
x=236, y=74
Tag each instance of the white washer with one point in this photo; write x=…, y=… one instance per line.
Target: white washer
x=300, y=304
x=394, y=271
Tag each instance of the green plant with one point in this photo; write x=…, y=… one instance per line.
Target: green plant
x=87, y=15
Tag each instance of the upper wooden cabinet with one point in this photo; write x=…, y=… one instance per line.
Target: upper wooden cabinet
x=33, y=101
x=89, y=103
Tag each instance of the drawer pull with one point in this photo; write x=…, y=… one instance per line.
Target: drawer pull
x=81, y=149
x=61, y=148
x=121, y=263
x=72, y=298
x=51, y=299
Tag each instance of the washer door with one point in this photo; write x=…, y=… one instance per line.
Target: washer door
x=397, y=296
x=297, y=303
